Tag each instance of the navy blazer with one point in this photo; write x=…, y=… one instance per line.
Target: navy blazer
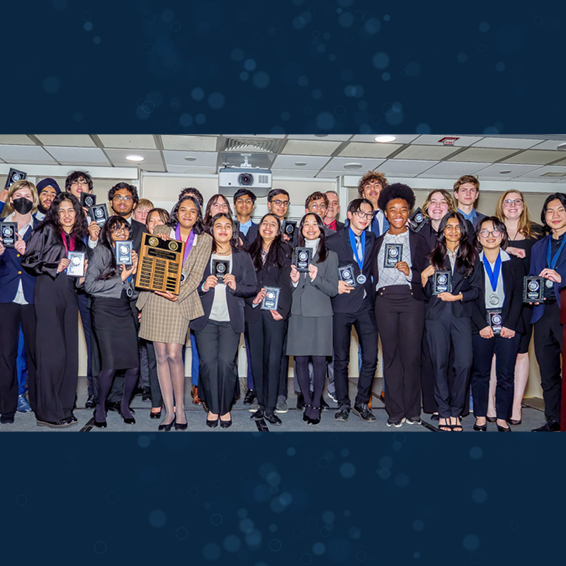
x=246, y=286
x=11, y=273
x=538, y=263
x=512, y=272
x=339, y=242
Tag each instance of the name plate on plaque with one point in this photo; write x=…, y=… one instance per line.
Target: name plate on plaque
x=393, y=255
x=288, y=228
x=346, y=274
x=418, y=220
x=9, y=233
x=220, y=267
x=160, y=265
x=77, y=266
x=533, y=289
x=271, y=301
x=99, y=213
x=495, y=320
x=123, y=251
x=441, y=282
x=301, y=259
x=88, y=200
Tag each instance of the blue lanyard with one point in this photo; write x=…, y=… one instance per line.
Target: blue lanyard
x=552, y=262
x=493, y=275
x=355, y=248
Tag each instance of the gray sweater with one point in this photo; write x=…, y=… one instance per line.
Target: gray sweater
x=109, y=288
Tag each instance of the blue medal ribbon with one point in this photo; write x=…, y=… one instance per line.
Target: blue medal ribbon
x=493, y=275
x=359, y=261
x=552, y=261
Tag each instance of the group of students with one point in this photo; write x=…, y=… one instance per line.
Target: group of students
x=381, y=273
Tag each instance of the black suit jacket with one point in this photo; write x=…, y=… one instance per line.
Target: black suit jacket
x=340, y=243
x=512, y=271
x=246, y=286
x=136, y=234
x=419, y=262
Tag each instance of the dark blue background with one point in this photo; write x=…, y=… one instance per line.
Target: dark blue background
x=341, y=66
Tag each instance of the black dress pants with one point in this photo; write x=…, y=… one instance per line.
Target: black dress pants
x=266, y=347
x=217, y=345
x=364, y=323
x=427, y=379
x=92, y=365
x=505, y=350
x=442, y=334
x=548, y=348
x=12, y=316
x=400, y=323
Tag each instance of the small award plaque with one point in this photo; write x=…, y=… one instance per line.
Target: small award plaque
x=220, y=267
x=13, y=176
x=302, y=258
x=99, y=213
x=88, y=200
x=494, y=320
x=393, y=255
x=9, y=234
x=77, y=266
x=346, y=274
x=418, y=220
x=271, y=301
x=533, y=289
x=288, y=228
x=123, y=252
x=441, y=282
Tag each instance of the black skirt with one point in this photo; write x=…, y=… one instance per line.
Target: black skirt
x=115, y=329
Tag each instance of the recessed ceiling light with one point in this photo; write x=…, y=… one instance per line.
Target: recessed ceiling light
x=505, y=171
x=353, y=166
x=135, y=158
x=385, y=139
x=300, y=163
x=190, y=158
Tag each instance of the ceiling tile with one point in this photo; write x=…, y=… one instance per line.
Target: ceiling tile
x=127, y=141
x=196, y=159
x=66, y=140
x=371, y=138
x=152, y=158
x=78, y=155
x=536, y=157
x=25, y=154
x=320, y=137
x=308, y=147
x=405, y=167
x=337, y=165
x=561, y=162
x=453, y=170
x=482, y=155
x=549, y=173
x=190, y=143
x=16, y=139
x=432, y=139
x=288, y=162
x=511, y=143
x=493, y=172
x=191, y=170
x=549, y=144
x=424, y=152
x=360, y=149
x=300, y=173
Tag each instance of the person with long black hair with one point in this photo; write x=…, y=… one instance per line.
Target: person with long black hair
x=266, y=328
x=218, y=331
x=448, y=317
x=112, y=290
x=56, y=307
x=497, y=323
x=165, y=317
x=310, y=323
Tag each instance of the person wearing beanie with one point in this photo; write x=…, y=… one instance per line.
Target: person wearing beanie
x=47, y=190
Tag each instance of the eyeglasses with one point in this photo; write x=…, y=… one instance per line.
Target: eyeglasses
x=120, y=229
x=511, y=202
x=80, y=182
x=318, y=206
x=488, y=233
x=361, y=215
x=123, y=198
x=284, y=203
x=245, y=201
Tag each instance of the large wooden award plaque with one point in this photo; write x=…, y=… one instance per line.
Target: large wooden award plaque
x=160, y=265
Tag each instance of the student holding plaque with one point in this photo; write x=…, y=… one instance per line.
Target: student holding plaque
x=266, y=316
x=165, y=317
x=111, y=287
x=229, y=278
x=354, y=306
x=496, y=323
x=448, y=316
x=310, y=324
x=63, y=230
x=548, y=260
x=16, y=299
x=399, y=305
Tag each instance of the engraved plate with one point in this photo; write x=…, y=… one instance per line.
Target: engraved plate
x=99, y=213
x=77, y=266
x=9, y=234
x=301, y=259
x=88, y=200
x=271, y=301
x=533, y=289
x=346, y=274
x=441, y=282
x=220, y=267
x=123, y=251
x=393, y=255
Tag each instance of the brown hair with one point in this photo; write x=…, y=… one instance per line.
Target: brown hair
x=525, y=223
x=317, y=195
x=466, y=179
x=161, y=212
x=449, y=200
x=372, y=176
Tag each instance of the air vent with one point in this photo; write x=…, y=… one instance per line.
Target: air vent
x=252, y=145
x=263, y=179
x=554, y=175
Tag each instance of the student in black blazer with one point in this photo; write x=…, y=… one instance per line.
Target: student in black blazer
x=218, y=332
x=267, y=328
x=448, y=317
x=497, y=323
x=353, y=306
x=399, y=306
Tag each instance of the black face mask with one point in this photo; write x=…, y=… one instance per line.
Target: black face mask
x=22, y=205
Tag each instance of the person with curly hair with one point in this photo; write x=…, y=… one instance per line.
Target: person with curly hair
x=369, y=187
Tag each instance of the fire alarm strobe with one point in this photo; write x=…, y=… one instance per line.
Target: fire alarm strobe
x=448, y=141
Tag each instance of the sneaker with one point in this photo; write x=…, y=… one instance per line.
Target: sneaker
x=257, y=416
x=273, y=419
x=23, y=404
x=250, y=396
x=364, y=412
x=281, y=406
x=416, y=420
x=332, y=397
x=300, y=401
x=396, y=424
x=254, y=406
x=342, y=414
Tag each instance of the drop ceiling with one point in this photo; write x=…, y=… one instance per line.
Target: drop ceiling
x=495, y=158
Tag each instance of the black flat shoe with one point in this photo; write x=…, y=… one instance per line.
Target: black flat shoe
x=166, y=427
x=225, y=424
x=212, y=424
x=514, y=422
x=7, y=418
x=179, y=426
x=481, y=428
x=153, y=415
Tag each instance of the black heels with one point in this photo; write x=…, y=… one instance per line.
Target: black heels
x=179, y=426
x=153, y=415
x=225, y=424
x=127, y=420
x=166, y=427
x=503, y=429
x=310, y=420
x=98, y=424
x=212, y=424
x=481, y=428
x=514, y=422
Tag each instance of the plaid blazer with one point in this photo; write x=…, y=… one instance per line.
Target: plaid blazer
x=189, y=303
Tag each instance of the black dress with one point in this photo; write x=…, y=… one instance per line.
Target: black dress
x=57, y=314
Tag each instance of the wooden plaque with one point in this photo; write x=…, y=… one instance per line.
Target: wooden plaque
x=160, y=264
